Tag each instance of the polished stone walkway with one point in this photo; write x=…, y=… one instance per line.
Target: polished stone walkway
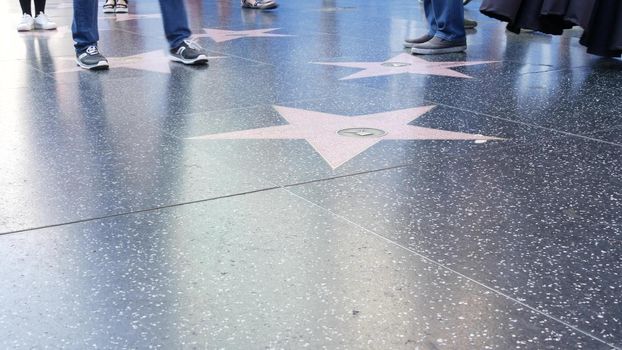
x=314, y=187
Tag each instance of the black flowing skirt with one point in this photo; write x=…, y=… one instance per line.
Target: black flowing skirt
x=600, y=19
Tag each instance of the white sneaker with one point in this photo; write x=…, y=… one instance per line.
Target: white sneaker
x=43, y=22
x=26, y=24
x=120, y=7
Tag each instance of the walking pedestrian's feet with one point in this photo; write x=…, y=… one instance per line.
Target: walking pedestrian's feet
x=409, y=43
x=260, y=4
x=26, y=23
x=437, y=46
x=109, y=6
x=121, y=6
x=189, y=52
x=42, y=21
x=91, y=59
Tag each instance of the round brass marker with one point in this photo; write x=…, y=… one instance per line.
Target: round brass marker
x=395, y=64
x=362, y=132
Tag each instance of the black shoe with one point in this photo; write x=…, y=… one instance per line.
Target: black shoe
x=469, y=24
x=408, y=43
x=438, y=46
x=189, y=53
x=92, y=59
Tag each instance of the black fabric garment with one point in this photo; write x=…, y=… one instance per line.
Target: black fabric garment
x=547, y=16
x=601, y=20
x=603, y=35
x=39, y=6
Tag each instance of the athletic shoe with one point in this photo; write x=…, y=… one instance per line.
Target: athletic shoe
x=409, y=43
x=120, y=7
x=437, y=46
x=188, y=52
x=260, y=4
x=469, y=24
x=92, y=59
x=109, y=6
x=43, y=22
x=26, y=24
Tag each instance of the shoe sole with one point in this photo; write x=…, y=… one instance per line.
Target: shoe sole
x=108, y=10
x=418, y=51
x=408, y=45
x=101, y=65
x=121, y=10
x=24, y=29
x=269, y=7
x=44, y=28
x=201, y=59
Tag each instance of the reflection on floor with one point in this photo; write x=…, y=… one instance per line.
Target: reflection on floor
x=314, y=186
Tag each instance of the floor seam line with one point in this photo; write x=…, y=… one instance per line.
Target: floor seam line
x=565, y=133
x=443, y=266
x=267, y=189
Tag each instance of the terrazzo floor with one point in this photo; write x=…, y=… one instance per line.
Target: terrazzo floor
x=315, y=186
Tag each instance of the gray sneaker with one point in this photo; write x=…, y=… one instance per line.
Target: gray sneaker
x=189, y=52
x=260, y=4
x=469, y=24
x=438, y=46
x=409, y=43
x=92, y=59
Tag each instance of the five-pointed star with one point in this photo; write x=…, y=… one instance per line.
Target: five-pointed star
x=320, y=130
x=154, y=61
x=404, y=63
x=122, y=17
x=220, y=35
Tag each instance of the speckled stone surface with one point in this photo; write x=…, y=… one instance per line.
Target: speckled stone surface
x=161, y=206
x=550, y=236
x=234, y=273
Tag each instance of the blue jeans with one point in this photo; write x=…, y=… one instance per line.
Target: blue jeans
x=85, y=31
x=446, y=18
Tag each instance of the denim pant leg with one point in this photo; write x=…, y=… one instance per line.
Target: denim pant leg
x=84, y=27
x=430, y=17
x=448, y=18
x=175, y=21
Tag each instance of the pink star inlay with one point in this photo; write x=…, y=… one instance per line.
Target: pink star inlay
x=220, y=35
x=404, y=63
x=153, y=61
x=123, y=17
x=320, y=130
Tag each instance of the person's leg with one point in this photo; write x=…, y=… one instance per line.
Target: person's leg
x=430, y=16
x=27, y=23
x=449, y=19
x=450, y=35
x=41, y=20
x=39, y=6
x=84, y=27
x=175, y=20
x=85, y=35
x=177, y=30
x=26, y=9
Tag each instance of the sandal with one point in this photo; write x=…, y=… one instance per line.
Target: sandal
x=121, y=6
x=109, y=6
